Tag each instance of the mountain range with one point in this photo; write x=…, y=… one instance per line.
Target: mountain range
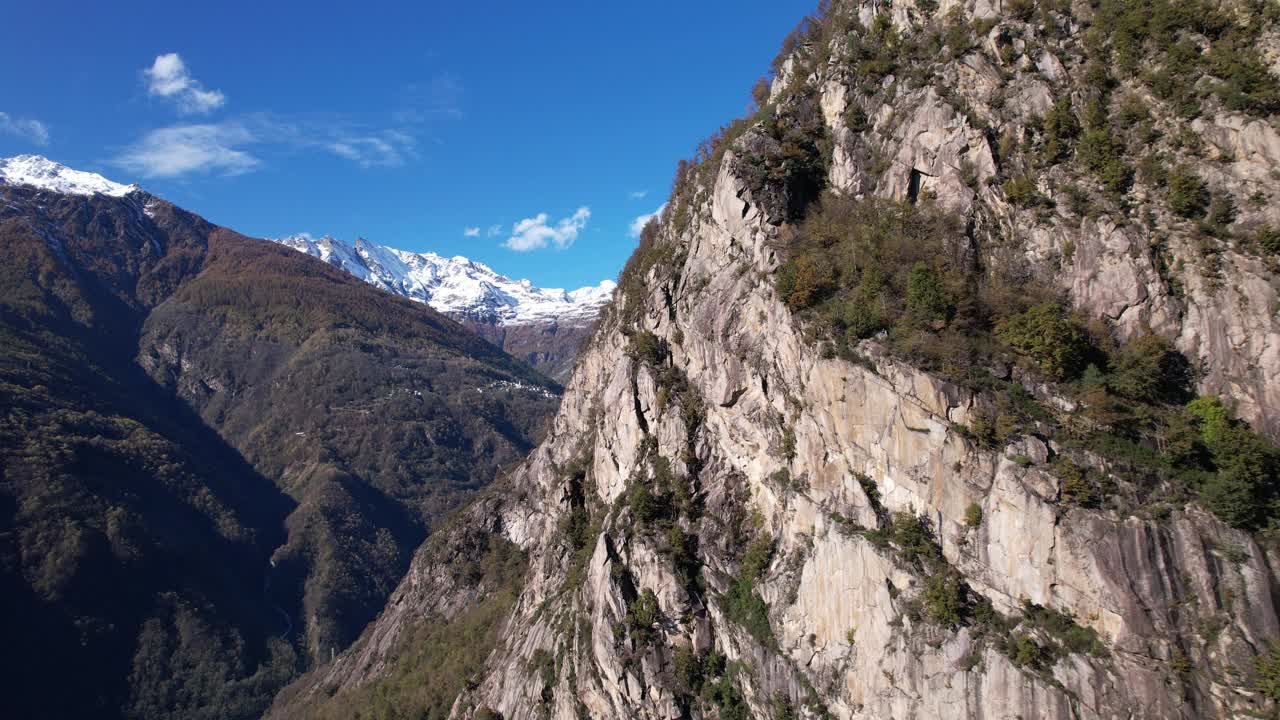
x=543, y=326
x=456, y=286
x=218, y=454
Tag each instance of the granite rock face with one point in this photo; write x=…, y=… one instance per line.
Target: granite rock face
x=788, y=448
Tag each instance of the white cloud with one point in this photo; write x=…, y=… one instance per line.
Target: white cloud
x=223, y=147
x=638, y=194
x=25, y=128
x=183, y=149
x=638, y=224
x=390, y=147
x=168, y=78
x=534, y=233
x=493, y=231
x=471, y=232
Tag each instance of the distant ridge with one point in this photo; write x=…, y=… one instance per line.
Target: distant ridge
x=457, y=286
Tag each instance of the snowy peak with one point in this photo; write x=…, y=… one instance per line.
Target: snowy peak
x=41, y=172
x=456, y=286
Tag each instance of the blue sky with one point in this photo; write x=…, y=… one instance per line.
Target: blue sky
x=525, y=135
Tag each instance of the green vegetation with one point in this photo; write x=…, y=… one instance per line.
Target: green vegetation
x=1267, y=239
x=741, y=603
x=860, y=267
x=213, y=682
x=580, y=526
x=788, y=443
x=1076, y=486
x=1103, y=156
x=1025, y=652
x=1060, y=129
x=1021, y=191
x=1188, y=195
x=649, y=348
x=1164, y=37
x=973, y=515
x=135, y=537
x=1068, y=635
x=944, y=598
x=642, y=615
x=781, y=708
x=1267, y=668
x=436, y=657
x=1149, y=369
x=715, y=684
x=1046, y=335
x=707, y=680
x=1244, y=488
x=874, y=52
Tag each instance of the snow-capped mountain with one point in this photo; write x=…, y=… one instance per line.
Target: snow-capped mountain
x=543, y=326
x=457, y=286
x=41, y=172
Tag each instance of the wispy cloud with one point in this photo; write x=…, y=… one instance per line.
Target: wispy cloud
x=441, y=95
x=168, y=78
x=224, y=147
x=389, y=147
x=25, y=128
x=637, y=225
x=242, y=143
x=185, y=149
x=534, y=233
x=493, y=231
x=471, y=232
x=638, y=194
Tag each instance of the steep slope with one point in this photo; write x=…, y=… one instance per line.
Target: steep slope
x=218, y=454
x=135, y=539
x=893, y=416
x=543, y=326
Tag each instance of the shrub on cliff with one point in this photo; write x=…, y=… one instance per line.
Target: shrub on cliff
x=1242, y=492
x=927, y=298
x=1188, y=195
x=1267, y=667
x=1150, y=369
x=1045, y=334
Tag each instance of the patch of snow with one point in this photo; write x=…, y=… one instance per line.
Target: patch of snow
x=43, y=173
x=456, y=285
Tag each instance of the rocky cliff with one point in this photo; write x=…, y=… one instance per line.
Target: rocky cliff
x=776, y=489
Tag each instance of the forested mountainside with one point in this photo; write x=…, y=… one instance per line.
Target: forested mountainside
x=217, y=455
x=945, y=386
x=545, y=327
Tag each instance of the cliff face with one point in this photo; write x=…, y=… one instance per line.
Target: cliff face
x=549, y=347
x=730, y=518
